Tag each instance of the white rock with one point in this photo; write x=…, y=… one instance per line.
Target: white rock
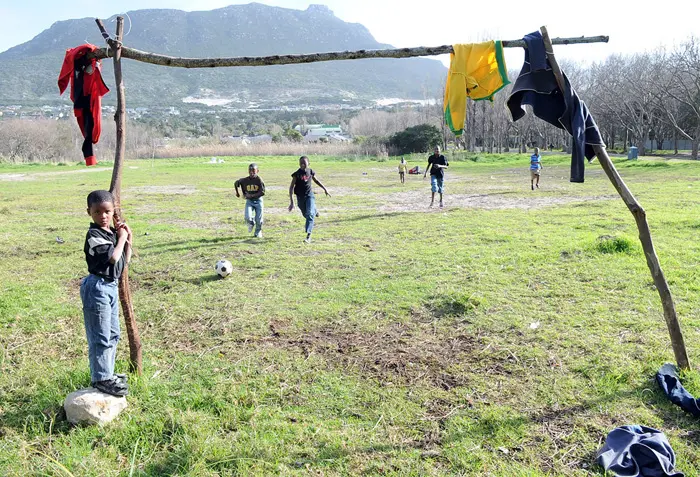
x=92, y=406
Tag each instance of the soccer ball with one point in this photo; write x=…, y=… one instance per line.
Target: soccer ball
x=223, y=268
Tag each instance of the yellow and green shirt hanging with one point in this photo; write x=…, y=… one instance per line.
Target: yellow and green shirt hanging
x=477, y=70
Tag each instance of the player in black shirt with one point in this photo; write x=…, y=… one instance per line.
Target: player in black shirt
x=436, y=165
x=107, y=251
x=253, y=189
x=302, y=187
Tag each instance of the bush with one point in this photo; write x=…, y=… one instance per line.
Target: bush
x=609, y=244
x=421, y=138
x=293, y=135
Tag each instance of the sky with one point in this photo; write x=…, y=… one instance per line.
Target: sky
x=631, y=26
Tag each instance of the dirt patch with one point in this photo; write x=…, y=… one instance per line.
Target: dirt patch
x=203, y=221
x=414, y=201
x=14, y=177
x=398, y=353
x=73, y=288
x=36, y=175
x=169, y=190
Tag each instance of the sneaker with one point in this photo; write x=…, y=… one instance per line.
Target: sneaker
x=250, y=227
x=317, y=214
x=537, y=185
x=307, y=240
x=121, y=378
x=112, y=386
x=532, y=186
x=441, y=206
x=258, y=235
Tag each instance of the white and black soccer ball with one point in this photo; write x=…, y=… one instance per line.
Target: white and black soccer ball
x=223, y=268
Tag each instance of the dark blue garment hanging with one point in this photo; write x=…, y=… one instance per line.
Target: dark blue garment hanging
x=537, y=86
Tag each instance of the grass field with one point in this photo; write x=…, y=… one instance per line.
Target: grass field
x=402, y=341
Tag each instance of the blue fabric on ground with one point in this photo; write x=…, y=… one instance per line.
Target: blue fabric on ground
x=670, y=384
x=638, y=451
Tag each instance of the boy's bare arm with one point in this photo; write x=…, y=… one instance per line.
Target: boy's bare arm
x=122, y=236
x=129, y=243
x=291, y=191
x=321, y=186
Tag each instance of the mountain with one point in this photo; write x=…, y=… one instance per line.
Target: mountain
x=28, y=72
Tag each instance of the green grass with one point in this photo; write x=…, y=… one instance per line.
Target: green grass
x=398, y=343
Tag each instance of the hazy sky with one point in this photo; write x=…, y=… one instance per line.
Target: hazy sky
x=631, y=25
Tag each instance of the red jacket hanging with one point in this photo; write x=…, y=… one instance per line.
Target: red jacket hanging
x=86, y=90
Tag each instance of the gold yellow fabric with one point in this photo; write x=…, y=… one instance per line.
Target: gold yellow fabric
x=478, y=71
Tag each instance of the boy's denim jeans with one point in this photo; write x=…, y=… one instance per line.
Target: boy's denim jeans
x=307, y=205
x=101, y=313
x=436, y=184
x=254, y=205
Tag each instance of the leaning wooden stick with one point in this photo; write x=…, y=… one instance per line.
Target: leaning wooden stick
x=132, y=330
x=179, y=62
x=674, y=327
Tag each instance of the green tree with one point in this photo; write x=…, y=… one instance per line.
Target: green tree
x=293, y=135
x=421, y=138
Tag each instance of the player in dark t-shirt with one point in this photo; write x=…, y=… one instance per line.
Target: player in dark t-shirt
x=302, y=187
x=253, y=189
x=437, y=163
x=107, y=251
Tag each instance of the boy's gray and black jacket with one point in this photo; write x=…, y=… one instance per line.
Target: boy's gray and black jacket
x=99, y=246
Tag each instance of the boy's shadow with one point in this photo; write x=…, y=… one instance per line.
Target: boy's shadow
x=202, y=280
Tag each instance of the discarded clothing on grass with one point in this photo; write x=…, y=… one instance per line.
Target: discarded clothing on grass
x=638, y=451
x=86, y=90
x=477, y=70
x=670, y=384
x=537, y=86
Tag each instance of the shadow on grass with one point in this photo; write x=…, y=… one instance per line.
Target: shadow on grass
x=195, y=244
x=185, y=460
x=202, y=280
x=452, y=305
x=357, y=218
x=184, y=244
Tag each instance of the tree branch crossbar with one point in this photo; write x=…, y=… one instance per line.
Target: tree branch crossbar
x=180, y=62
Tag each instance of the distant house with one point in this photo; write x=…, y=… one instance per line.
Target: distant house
x=248, y=140
x=314, y=132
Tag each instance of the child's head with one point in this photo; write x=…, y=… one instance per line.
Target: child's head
x=537, y=151
x=303, y=162
x=403, y=161
x=253, y=170
x=100, y=207
x=437, y=150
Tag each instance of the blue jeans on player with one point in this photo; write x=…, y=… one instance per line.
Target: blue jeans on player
x=100, y=298
x=436, y=184
x=254, y=206
x=307, y=205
